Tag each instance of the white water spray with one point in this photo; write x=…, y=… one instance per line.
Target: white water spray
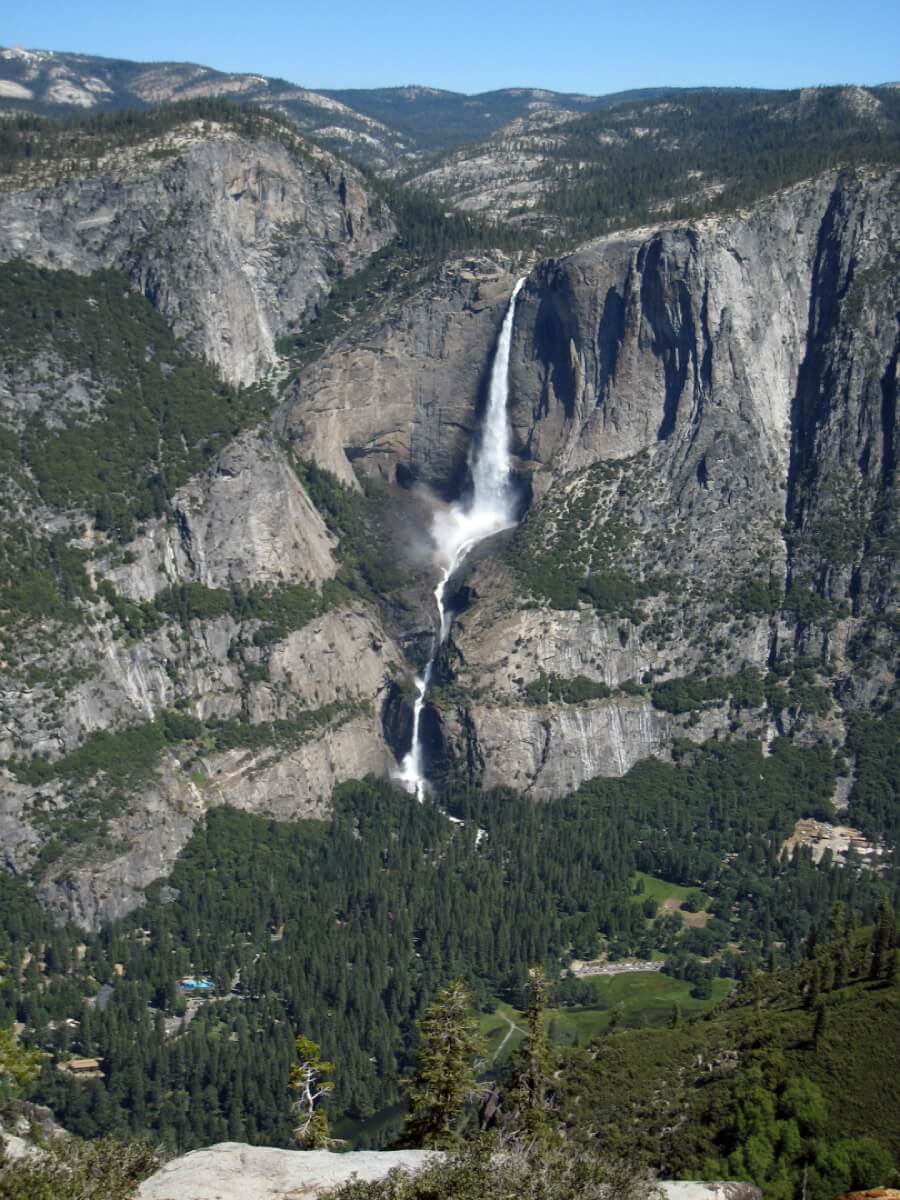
x=456, y=531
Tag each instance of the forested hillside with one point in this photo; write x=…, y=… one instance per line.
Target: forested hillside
x=668, y=157
x=345, y=929
x=120, y=456
x=760, y=1090
x=793, y=1079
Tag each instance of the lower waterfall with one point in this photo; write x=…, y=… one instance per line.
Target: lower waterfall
x=490, y=508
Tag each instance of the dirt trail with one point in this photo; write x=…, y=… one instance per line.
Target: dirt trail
x=512, y=1027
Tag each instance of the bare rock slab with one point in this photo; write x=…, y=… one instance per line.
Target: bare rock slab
x=234, y=1171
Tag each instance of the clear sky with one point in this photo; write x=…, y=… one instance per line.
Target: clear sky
x=474, y=45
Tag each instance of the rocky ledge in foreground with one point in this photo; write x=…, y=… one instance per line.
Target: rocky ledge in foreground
x=234, y=1171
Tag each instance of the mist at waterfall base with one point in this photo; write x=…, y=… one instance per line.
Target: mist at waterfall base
x=488, y=508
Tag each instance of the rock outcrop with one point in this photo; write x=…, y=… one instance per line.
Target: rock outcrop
x=403, y=394
x=234, y=240
x=247, y=521
x=289, y=781
x=304, y=703
x=305, y=715
x=233, y=1171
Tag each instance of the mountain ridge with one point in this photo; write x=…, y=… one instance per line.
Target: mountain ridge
x=381, y=127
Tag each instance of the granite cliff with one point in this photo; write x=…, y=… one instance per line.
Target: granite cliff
x=219, y=606
x=708, y=415
x=234, y=237
x=399, y=398
x=704, y=422
x=704, y=415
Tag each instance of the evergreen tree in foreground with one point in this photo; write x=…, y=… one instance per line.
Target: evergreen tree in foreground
x=308, y=1081
x=444, y=1079
x=528, y=1100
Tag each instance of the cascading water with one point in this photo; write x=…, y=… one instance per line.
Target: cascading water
x=489, y=508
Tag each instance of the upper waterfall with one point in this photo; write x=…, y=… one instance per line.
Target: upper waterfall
x=491, y=489
x=489, y=508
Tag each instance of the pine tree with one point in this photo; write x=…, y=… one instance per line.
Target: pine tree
x=842, y=965
x=882, y=939
x=444, y=1078
x=827, y=971
x=531, y=1074
x=813, y=987
x=812, y=943
x=821, y=1023
x=308, y=1080
x=837, y=921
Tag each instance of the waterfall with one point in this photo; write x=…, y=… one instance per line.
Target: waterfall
x=489, y=508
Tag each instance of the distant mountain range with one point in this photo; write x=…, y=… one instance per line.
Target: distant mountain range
x=382, y=126
x=562, y=166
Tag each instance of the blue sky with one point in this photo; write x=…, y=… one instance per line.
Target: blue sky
x=566, y=45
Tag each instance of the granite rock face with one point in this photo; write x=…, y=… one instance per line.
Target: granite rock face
x=246, y=521
x=285, y=782
x=704, y=409
x=705, y=423
x=320, y=691
x=234, y=241
x=405, y=394
x=246, y=525
x=733, y=353
x=686, y=342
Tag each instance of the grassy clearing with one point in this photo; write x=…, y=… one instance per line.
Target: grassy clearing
x=644, y=997
x=638, y=998
x=660, y=889
x=494, y=1027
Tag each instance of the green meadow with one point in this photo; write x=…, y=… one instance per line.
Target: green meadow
x=637, y=998
x=660, y=889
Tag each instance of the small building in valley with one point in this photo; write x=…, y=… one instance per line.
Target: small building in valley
x=83, y=1068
